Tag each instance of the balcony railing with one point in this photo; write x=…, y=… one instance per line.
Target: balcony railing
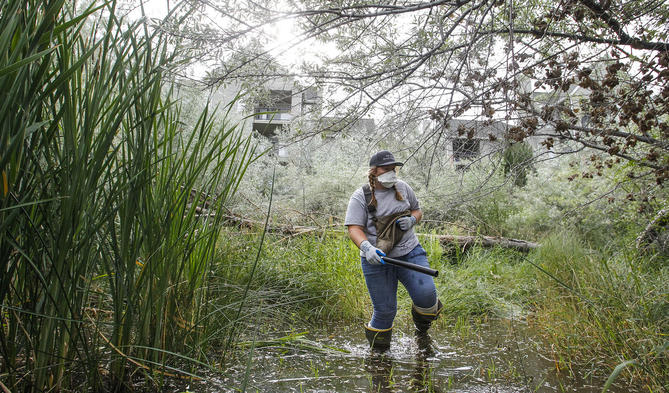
x=281, y=113
x=274, y=116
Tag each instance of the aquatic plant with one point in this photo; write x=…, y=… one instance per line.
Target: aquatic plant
x=105, y=246
x=606, y=306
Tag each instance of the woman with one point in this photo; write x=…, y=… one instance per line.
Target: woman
x=380, y=220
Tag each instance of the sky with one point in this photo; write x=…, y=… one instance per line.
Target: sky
x=284, y=43
x=283, y=40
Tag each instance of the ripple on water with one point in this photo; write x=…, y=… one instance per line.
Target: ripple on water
x=499, y=356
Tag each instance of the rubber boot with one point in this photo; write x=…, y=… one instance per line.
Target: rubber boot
x=379, y=339
x=422, y=320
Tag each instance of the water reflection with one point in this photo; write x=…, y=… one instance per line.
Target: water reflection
x=422, y=377
x=381, y=369
x=502, y=356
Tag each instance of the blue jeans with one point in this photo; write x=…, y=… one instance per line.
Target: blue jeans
x=382, y=286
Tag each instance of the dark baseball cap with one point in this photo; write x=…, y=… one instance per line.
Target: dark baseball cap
x=383, y=158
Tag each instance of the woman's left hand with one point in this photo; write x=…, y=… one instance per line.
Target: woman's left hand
x=406, y=223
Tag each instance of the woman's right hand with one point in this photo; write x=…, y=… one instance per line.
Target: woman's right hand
x=372, y=254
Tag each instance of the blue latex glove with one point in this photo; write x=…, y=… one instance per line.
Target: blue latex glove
x=372, y=254
x=406, y=223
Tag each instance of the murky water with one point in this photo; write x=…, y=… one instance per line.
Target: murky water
x=496, y=356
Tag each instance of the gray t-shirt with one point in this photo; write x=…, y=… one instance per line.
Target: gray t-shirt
x=357, y=214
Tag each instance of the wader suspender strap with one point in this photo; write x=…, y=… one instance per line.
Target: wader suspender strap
x=368, y=200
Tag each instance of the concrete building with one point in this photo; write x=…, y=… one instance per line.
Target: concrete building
x=465, y=141
x=278, y=109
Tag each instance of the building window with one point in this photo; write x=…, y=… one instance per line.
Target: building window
x=310, y=96
x=465, y=149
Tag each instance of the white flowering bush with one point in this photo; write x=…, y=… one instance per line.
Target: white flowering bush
x=315, y=177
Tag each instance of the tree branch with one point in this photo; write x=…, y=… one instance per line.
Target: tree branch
x=615, y=26
x=633, y=42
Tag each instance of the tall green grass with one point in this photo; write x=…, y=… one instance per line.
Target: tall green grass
x=604, y=308
x=594, y=309
x=103, y=248
x=314, y=278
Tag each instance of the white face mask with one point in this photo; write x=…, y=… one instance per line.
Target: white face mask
x=387, y=179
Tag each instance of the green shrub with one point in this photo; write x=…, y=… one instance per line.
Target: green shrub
x=517, y=160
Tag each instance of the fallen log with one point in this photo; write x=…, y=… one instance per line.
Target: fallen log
x=487, y=241
x=273, y=228
x=462, y=241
